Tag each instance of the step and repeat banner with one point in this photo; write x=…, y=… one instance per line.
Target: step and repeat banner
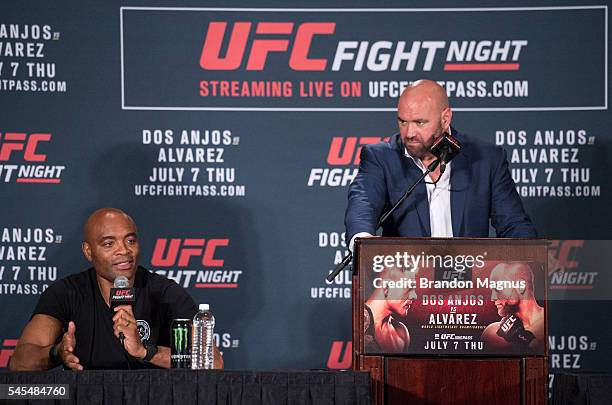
x=231, y=134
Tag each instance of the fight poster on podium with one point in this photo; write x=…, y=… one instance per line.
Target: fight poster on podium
x=455, y=296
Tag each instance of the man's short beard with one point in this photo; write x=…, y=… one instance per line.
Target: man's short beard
x=435, y=136
x=426, y=147
x=509, y=309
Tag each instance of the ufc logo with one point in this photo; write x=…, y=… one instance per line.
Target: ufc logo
x=338, y=360
x=507, y=325
x=565, y=252
x=344, y=151
x=180, y=251
x=122, y=293
x=211, y=58
x=5, y=353
x=16, y=141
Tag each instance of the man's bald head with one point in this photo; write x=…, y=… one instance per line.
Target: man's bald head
x=426, y=89
x=512, y=275
x=423, y=115
x=111, y=245
x=102, y=215
x=396, y=291
x=514, y=271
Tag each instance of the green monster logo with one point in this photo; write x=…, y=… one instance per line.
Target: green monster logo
x=180, y=339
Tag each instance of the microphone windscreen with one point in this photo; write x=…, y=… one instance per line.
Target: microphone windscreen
x=121, y=282
x=446, y=148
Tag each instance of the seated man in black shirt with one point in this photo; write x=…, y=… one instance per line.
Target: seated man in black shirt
x=73, y=324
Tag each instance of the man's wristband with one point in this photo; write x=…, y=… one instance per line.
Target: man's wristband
x=151, y=350
x=54, y=356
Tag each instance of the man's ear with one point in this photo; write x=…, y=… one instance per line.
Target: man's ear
x=522, y=286
x=86, y=251
x=447, y=115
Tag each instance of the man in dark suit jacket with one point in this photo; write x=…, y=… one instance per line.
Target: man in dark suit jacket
x=478, y=189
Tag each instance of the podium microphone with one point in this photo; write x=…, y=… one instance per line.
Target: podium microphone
x=445, y=149
x=121, y=294
x=347, y=259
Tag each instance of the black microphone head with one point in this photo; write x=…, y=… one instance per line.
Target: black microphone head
x=121, y=282
x=121, y=293
x=445, y=148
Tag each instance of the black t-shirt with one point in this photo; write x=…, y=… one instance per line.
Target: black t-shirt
x=78, y=298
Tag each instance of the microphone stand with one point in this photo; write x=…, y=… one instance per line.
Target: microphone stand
x=347, y=259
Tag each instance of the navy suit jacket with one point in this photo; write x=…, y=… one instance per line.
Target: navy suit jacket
x=482, y=190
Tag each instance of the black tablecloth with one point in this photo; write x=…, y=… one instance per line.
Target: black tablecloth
x=183, y=387
x=582, y=389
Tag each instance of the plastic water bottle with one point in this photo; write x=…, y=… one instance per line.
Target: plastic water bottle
x=202, y=339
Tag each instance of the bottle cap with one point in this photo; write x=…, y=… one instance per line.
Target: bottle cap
x=204, y=307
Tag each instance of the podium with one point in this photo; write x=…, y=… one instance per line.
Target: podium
x=452, y=321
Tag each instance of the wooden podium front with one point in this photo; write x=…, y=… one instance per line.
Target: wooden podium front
x=452, y=350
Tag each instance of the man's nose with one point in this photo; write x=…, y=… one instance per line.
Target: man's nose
x=406, y=126
x=411, y=130
x=122, y=248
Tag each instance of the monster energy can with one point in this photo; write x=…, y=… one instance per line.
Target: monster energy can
x=180, y=350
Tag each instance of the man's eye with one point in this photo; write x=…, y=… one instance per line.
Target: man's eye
x=131, y=241
x=107, y=244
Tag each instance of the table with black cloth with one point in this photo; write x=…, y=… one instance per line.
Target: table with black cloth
x=182, y=387
x=582, y=389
